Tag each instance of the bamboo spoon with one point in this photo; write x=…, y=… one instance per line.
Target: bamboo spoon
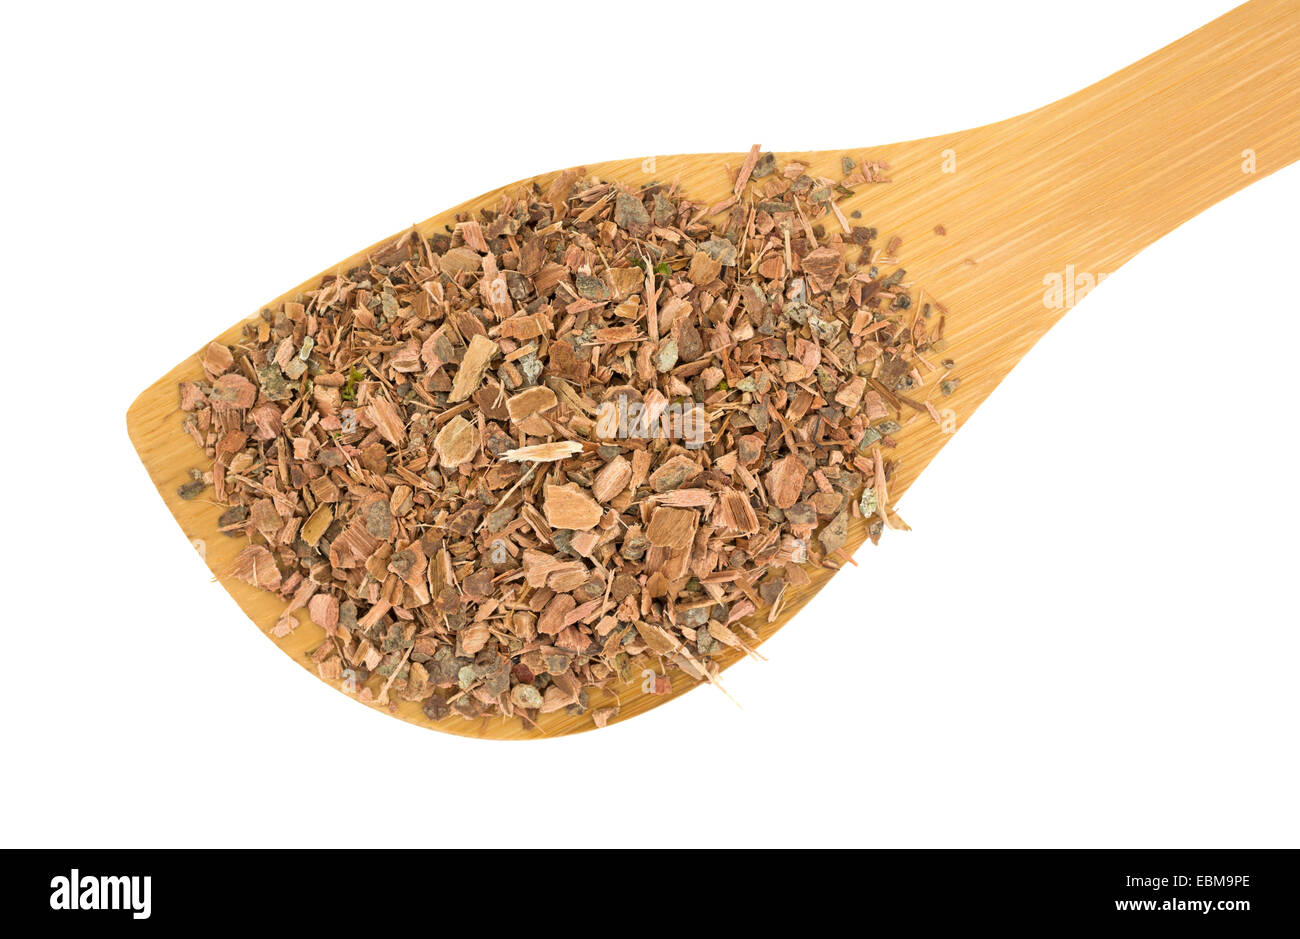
x=1073, y=189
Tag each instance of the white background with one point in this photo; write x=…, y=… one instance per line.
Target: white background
x=1088, y=639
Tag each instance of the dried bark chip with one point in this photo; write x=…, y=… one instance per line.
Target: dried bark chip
x=456, y=443
x=750, y=448
x=690, y=344
x=323, y=609
x=477, y=358
x=551, y=620
x=554, y=698
x=784, y=481
x=567, y=507
x=529, y=402
x=666, y=355
x=377, y=518
x=435, y=708
x=255, y=565
x=827, y=503
x=406, y=359
x=460, y=261
x=674, y=473
x=232, y=519
x=584, y=542
x=703, y=269
x=474, y=638
x=850, y=393
x=834, y=533
x=387, y=421
x=217, y=359
x=437, y=350
x=624, y=586
x=641, y=461
x=409, y=563
x=543, y=452
x=272, y=383
x=801, y=513
x=735, y=513
x=747, y=169
x=671, y=528
x=472, y=232
x=592, y=288
x=192, y=396
x=686, y=498
x=724, y=635
x=612, y=479
x=873, y=407
x=315, y=526
x=231, y=392
x=267, y=419
x=824, y=266
x=629, y=211
x=617, y=334
x=525, y=696
x=720, y=250
x=657, y=639
x=284, y=626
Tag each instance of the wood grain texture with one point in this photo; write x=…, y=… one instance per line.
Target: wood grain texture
x=1087, y=181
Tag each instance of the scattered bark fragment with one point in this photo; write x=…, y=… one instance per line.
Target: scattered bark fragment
x=477, y=357
x=525, y=696
x=784, y=481
x=323, y=609
x=824, y=266
x=629, y=212
x=533, y=401
x=568, y=508
x=231, y=392
x=387, y=421
x=543, y=452
x=735, y=513
x=671, y=528
x=834, y=533
x=315, y=526
x=612, y=479
x=255, y=565
x=217, y=359
x=589, y=431
x=456, y=443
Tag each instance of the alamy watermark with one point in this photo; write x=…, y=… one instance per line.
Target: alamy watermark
x=1065, y=290
x=624, y=418
x=78, y=892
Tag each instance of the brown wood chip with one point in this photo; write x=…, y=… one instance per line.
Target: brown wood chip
x=567, y=507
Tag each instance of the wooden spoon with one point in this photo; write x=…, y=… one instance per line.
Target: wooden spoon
x=1042, y=201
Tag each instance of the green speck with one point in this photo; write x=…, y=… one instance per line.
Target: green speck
x=349, y=392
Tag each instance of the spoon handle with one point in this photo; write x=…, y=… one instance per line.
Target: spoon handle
x=1142, y=151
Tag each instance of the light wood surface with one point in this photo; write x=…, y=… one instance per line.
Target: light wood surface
x=1085, y=182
